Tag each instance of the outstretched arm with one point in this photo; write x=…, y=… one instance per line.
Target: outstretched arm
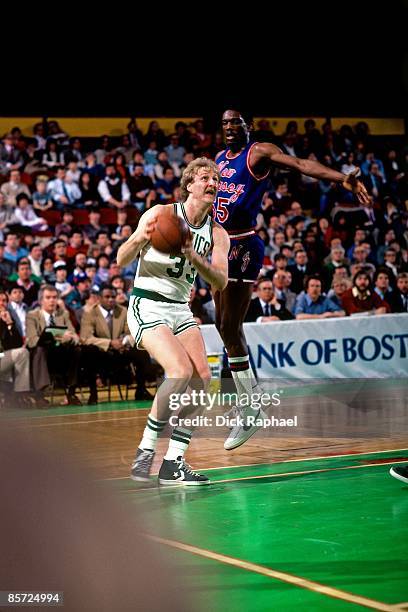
x=266, y=151
x=215, y=273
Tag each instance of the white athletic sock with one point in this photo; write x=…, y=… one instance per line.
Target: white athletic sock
x=244, y=378
x=151, y=432
x=179, y=441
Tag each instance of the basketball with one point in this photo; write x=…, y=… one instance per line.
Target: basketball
x=170, y=233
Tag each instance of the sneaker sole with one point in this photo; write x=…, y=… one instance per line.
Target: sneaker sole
x=183, y=482
x=139, y=478
x=398, y=477
x=241, y=441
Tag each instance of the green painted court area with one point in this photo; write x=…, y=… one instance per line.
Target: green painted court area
x=340, y=522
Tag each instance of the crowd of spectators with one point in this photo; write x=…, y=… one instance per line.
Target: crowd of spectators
x=68, y=203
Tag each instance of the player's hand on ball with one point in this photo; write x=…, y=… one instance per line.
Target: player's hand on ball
x=147, y=228
x=351, y=183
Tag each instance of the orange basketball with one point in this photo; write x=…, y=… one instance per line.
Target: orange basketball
x=170, y=233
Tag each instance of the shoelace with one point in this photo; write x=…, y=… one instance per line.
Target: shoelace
x=182, y=465
x=144, y=460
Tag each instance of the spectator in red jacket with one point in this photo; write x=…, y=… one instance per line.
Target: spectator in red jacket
x=361, y=298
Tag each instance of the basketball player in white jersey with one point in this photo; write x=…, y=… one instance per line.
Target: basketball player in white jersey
x=161, y=321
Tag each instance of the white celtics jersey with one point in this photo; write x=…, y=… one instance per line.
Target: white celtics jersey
x=173, y=275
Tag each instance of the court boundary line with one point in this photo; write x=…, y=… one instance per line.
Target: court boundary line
x=396, y=450
x=297, y=581
x=302, y=473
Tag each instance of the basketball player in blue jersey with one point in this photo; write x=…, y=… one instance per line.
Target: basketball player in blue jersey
x=244, y=169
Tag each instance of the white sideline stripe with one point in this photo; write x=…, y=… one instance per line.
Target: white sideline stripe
x=279, y=475
x=393, y=450
x=277, y=575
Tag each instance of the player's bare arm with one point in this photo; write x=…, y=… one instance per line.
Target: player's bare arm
x=129, y=250
x=216, y=272
x=264, y=152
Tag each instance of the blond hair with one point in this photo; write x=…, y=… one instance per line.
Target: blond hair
x=192, y=169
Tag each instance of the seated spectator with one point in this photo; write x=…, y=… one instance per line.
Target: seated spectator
x=61, y=284
x=165, y=186
x=154, y=132
x=13, y=188
x=360, y=257
x=390, y=261
x=18, y=309
x=42, y=199
x=52, y=158
x=102, y=269
x=360, y=236
x=266, y=308
x=121, y=219
x=175, y=151
x=337, y=260
x=76, y=298
x=375, y=181
x=66, y=226
x=64, y=191
x=7, y=216
x=103, y=155
x=201, y=140
x=79, y=266
x=134, y=134
x=88, y=185
x=311, y=304
x=104, y=328
x=47, y=270
x=369, y=160
x=112, y=189
x=51, y=354
x=25, y=281
x=35, y=258
x=126, y=233
x=120, y=163
x=76, y=244
x=6, y=266
x=26, y=217
x=126, y=148
x=97, y=171
x=94, y=226
x=339, y=286
x=90, y=271
x=299, y=270
x=10, y=156
x=73, y=173
x=399, y=301
x=361, y=299
x=277, y=242
x=141, y=188
x=15, y=360
x=163, y=164
x=282, y=292
x=382, y=285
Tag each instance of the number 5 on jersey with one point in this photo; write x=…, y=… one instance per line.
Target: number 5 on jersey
x=221, y=211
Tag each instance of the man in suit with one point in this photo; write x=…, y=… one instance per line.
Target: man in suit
x=59, y=354
x=18, y=309
x=266, y=308
x=282, y=291
x=299, y=271
x=16, y=358
x=108, y=342
x=399, y=299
